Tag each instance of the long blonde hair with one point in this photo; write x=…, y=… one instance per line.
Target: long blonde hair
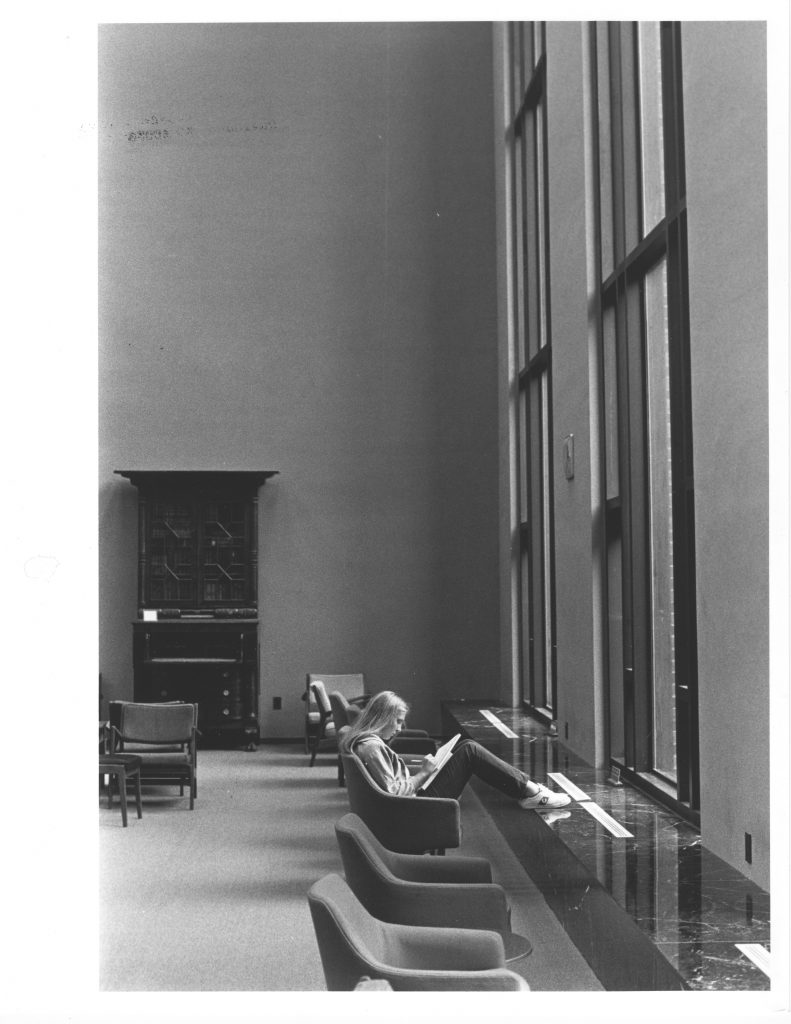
x=378, y=715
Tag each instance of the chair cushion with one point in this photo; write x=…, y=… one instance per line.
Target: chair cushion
x=148, y=748
x=164, y=759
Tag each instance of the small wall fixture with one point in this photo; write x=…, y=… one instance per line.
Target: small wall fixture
x=568, y=456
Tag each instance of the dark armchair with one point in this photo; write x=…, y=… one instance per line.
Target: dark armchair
x=409, y=743
x=404, y=824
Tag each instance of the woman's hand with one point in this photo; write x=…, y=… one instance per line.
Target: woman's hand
x=427, y=767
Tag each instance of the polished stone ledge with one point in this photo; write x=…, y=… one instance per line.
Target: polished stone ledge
x=654, y=911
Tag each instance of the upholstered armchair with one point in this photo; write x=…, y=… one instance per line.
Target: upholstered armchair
x=404, y=824
x=408, y=741
x=320, y=727
x=373, y=873
x=411, y=744
x=353, y=944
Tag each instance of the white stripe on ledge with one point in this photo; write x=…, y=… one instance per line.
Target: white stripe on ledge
x=758, y=954
x=568, y=785
x=491, y=717
x=609, y=823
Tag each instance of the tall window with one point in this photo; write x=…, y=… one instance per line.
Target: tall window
x=647, y=442
x=533, y=365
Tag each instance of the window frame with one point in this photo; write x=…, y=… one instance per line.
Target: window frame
x=534, y=558
x=621, y=290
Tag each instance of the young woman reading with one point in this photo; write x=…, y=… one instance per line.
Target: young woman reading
x=384, y=717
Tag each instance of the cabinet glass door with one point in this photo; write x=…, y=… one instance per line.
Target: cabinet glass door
x=172, y=560
x=224, y=553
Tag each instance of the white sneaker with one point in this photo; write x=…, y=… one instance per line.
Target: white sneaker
x=545, y=800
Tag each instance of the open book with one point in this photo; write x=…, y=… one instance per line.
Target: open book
x=442, y=756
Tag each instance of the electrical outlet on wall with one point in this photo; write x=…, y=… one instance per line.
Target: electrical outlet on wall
x=277, y=703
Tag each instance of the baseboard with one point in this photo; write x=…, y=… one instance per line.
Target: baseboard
x=281, y=740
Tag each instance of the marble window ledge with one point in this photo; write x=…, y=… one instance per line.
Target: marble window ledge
x=656, y=911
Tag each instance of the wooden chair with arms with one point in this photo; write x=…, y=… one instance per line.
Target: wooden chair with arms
x=164, y=736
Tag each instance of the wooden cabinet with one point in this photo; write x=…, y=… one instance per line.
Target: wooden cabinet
x=209, y=661
x=196, y=637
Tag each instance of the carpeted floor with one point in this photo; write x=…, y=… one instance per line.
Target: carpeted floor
x=214, y=899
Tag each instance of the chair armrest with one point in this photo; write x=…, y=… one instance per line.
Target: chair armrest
x=445, y=906
x=418, y=823
x=443, y=949
x=114, y=738
x=453, y=870
x=360, y=701
x=352, y=714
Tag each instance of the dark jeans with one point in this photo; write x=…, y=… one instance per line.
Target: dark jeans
x=470, y=758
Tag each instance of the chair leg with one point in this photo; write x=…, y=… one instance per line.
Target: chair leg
x=110, y=780
x=192, y=794
x=122, y=793
x=341, y=774
x=138, y=795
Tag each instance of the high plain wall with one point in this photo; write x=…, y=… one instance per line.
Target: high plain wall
x=725, y=114
x=297, y=273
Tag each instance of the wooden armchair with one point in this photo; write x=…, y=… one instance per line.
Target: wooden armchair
x=164, y=736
